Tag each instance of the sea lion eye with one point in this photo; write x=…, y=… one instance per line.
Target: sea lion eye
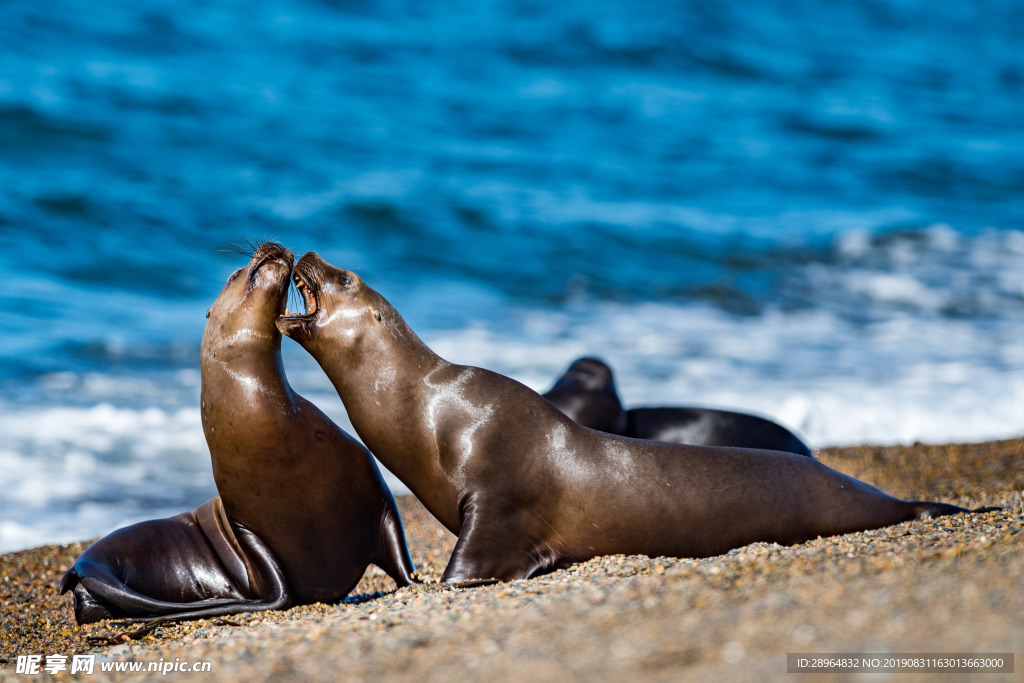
x=376, y=314
x=208, y=312
x=345, y=280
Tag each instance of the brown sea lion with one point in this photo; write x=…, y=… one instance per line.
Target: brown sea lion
x=292, y=484
x=586, y=393
x=528, y=490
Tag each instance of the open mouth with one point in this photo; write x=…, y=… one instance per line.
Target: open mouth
x=308, y=294
x=268, y=260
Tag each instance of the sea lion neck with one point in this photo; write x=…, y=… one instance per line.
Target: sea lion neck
x=389, y=373
x=245, y=374
x=382, y=360
x=399, y=372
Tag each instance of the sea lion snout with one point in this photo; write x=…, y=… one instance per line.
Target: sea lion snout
x=307, y=277
x=271, y=255
x=592, y=373
x=325, y=291
x=272, y=251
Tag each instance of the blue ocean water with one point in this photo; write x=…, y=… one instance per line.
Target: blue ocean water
x=810, y=210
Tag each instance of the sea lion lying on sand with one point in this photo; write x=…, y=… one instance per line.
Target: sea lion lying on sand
x=528, y=490
x=586, y=393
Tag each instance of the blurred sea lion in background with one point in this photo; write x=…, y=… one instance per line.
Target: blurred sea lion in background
x=587, y=394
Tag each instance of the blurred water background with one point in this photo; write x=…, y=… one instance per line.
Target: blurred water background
x=809, y=210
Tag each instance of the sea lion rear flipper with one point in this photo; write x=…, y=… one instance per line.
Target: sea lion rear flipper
x=172, y=569
x=928, y=510
x=99, y=594
x=111, y=591
x=69, y=580
x=392, y=552
x=246, y=557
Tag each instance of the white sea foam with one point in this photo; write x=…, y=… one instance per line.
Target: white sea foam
x=74, y=473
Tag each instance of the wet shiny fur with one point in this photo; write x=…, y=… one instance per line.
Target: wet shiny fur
x=194, y=565
x=283, y=468
x=527, y=489
x=302, y=508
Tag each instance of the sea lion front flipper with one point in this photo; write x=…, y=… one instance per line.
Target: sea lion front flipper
x=485, y=552
x=392, y=554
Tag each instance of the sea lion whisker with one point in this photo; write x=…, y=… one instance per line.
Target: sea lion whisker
x=236, y=251
x=255, y=243
x=294, y=300
x=247, y=247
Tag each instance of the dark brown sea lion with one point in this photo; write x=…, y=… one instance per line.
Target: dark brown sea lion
x=528, y=490
x=283, y=468
x=293, y=486
x=586, y=393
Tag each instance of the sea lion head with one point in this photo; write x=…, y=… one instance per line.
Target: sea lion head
x=253, y=297
x=587, y=394
x=587, y=374
x=342, y=312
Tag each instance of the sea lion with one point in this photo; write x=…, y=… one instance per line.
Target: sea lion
x=283, y=469
x=528, y=490
x=301, y=494
x=586, y=393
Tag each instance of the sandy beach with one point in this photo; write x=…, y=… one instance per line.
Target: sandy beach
x=944, y=586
